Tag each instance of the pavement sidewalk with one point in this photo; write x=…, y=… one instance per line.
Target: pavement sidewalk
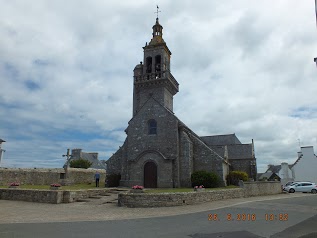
x=106, y=208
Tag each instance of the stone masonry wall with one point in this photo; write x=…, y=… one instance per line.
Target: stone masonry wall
x=176, y=199
x=261, y=188
x=207, y=159
x=241, y=165
x=49, y=196
x=166, y=139
x=35, y=195
x=48, y=176
x=185, y=159
x=179, y=199
x=114, y=162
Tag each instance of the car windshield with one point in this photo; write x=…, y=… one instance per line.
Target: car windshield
x=289, y=184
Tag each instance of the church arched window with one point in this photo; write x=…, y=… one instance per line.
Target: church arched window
x=152, y=125
x=148, y=64
x=157, y=63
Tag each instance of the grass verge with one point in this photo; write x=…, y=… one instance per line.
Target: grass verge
x=181, y=190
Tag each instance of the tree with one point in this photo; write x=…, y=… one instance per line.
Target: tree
x=80, y=163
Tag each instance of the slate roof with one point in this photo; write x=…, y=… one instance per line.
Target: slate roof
x=258, y=175
x=277, y=168
x=274, y=168
x=268, y=175
x=238, y=151
x=91, y=157
x=221, y=139
x=219, y=149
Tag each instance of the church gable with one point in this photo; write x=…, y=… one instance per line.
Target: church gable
x=153, y=128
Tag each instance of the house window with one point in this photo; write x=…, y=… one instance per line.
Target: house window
x=152, y=125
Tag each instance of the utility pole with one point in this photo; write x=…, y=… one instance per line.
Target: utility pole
x=1, y=150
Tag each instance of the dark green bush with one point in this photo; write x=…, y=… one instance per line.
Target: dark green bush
x=234, y=176
x=208, y=179
x=80, y=163
x=113, y=180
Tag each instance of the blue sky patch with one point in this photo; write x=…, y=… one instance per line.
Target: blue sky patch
x=304, y=112
x=39, y=62
x=32, y=85
x=10, y=70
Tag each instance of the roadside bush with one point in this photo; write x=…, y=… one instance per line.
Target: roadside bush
x=208, y=179
x=80, y=163
x=113, y=180
x=234, y=176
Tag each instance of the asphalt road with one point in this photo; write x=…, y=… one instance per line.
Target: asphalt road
x=294, y=217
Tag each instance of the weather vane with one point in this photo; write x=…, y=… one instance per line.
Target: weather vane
x=157, y=11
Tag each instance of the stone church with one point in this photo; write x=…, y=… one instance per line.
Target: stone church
x=160, y=150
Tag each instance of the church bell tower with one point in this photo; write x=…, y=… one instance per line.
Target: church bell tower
x=153, y=78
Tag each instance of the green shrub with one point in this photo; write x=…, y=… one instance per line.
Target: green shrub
x=234, y=176
x=113, y=180
x=208, y=179
x=80, y=163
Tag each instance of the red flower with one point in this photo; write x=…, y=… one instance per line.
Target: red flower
x=56, y=185
x=137, y=187
x=14, y=184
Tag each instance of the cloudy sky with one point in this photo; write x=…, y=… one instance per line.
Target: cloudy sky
x=244, y=67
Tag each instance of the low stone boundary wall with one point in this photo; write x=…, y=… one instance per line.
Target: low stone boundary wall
x=142, y=199
x=49, y=196
x=261, y=188
x=249, y=189
x=34, y=195
x=176, y=199
x=40, y=176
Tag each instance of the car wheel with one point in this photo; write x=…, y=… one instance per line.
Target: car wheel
x=292, y=190
x=314, y=191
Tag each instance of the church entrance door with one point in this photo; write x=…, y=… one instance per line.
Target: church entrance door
x=150, y=175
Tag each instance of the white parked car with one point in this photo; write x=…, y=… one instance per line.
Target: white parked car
x=305, y=187
x=287, y=184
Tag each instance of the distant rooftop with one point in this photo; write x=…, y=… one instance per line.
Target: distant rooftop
x=90, y=156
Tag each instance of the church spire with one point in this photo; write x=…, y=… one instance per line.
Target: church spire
x=153, y=78
x=157, y=31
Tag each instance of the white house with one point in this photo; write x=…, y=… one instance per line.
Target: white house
x=305, y=167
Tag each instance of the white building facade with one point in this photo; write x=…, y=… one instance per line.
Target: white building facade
x=305, y=167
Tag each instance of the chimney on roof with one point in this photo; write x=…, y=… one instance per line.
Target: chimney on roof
x=76, y=153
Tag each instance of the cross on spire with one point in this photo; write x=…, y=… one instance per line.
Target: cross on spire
x=157, y=11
